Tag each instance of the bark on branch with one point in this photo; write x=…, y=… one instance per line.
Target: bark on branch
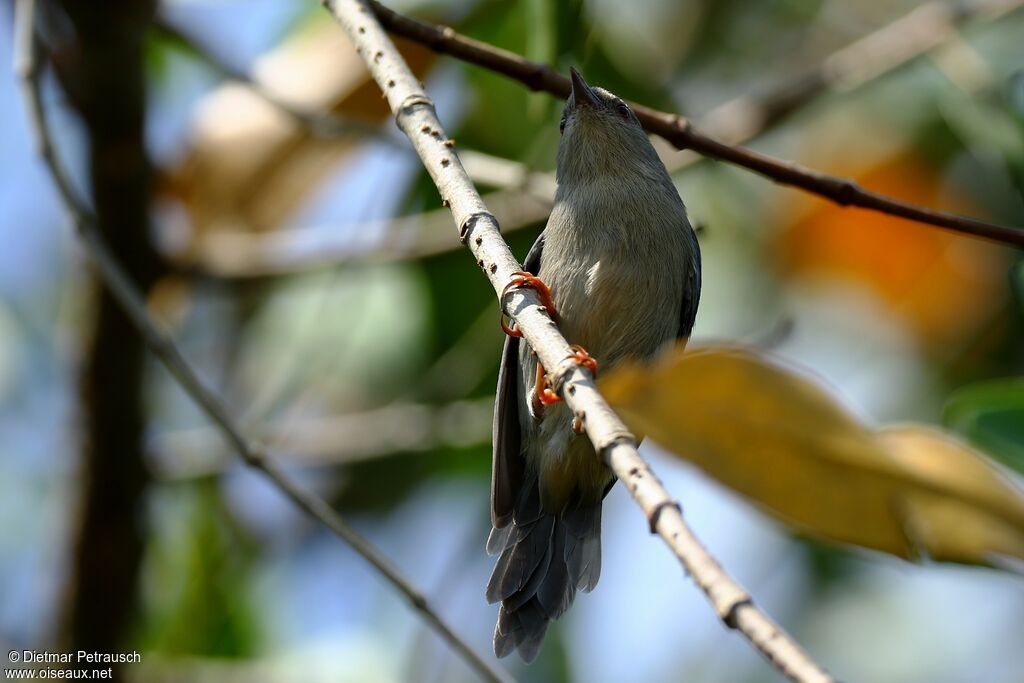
x=478, y=229
x=682, y=134
x=127, y=295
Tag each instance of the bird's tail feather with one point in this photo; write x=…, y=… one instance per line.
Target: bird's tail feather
x=545, y=557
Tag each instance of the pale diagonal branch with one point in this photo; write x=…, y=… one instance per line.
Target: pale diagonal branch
x=682, y=134
x=479, y=230
x=164, y=348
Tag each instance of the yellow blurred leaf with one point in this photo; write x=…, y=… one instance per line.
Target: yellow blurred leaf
x=984, y=520
x=780, y=439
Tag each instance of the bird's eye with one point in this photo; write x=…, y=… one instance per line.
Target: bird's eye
x=561, y=124
x=623, y=109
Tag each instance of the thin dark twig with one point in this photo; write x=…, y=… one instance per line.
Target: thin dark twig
x=682, y=134
x=164, y=348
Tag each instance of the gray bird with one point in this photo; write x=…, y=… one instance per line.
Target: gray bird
x=623, y=267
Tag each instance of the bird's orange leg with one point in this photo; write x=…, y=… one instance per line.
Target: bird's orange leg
x=539, y=387
x=524, y=279
x=542, y=394
x=543, y=389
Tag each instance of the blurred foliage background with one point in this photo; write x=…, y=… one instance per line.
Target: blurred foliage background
x=363, y=349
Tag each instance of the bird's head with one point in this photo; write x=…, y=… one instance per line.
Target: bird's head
x=601, y=136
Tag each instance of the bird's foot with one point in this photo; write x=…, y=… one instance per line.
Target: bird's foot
x=543, y=392
x=581, y=357
x=524, y=279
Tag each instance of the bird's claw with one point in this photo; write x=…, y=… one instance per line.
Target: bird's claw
x=523, y=279
x=579, y=356
x=546, y=396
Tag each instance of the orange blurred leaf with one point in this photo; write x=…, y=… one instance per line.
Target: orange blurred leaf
x=942, y=284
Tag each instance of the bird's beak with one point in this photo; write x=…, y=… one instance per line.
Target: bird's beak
x=581, y=92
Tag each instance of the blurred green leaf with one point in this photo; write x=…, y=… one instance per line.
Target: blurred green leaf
x=728, y=30
x=495, y=122
x=160, y=50
x=1017, y=283
x=196, y=591
x=991, y=414
x=353, y=335
x=1015, y=94
x=978, y=123
x=540, y=47
x=378, y=485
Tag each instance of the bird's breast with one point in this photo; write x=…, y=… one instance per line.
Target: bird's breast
x=616, y=303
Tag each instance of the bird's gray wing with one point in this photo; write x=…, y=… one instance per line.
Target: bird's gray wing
x=507, y=461
x=691, y=290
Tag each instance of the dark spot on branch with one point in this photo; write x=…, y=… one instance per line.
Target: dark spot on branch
x=658, y=509
x=412, y=101
x=470, y=223
x=847, y=192
x=731, y=617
